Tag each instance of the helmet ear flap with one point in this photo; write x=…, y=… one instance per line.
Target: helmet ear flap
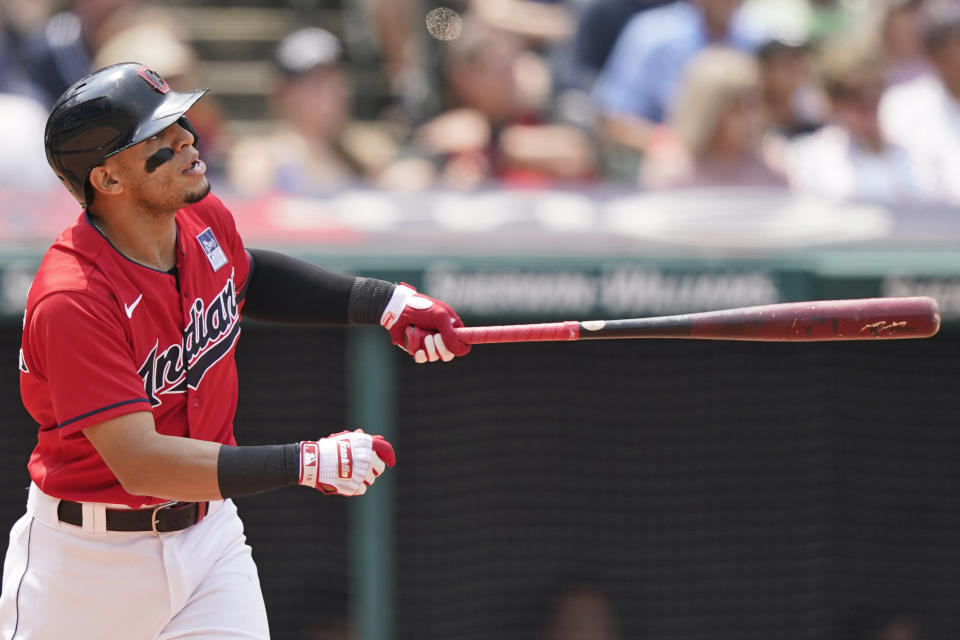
x=183, y=122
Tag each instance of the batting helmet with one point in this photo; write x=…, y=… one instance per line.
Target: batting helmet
x=106, y=112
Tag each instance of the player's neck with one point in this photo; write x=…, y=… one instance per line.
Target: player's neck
x=150, y=240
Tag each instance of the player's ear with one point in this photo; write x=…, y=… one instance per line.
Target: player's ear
x=104, y=180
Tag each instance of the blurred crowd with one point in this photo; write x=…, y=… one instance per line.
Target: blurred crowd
x=843, y=99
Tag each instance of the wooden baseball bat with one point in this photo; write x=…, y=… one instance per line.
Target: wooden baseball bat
x=816, y=321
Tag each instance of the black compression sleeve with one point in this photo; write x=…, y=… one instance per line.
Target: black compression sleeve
x=368, y=298
x=243, y=471
x=285, y=289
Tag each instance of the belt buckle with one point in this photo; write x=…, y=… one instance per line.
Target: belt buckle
x=155, y=515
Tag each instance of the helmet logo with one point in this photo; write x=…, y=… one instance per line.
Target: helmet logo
x=153, y=79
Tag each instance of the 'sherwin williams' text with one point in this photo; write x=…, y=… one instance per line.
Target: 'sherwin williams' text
x=212, y=331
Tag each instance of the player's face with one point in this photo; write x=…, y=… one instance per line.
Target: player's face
x=165, y=173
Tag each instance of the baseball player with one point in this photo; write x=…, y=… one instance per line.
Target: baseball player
x=127, y=365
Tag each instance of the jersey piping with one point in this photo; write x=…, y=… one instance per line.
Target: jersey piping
x=86, y=215
x=100, y=410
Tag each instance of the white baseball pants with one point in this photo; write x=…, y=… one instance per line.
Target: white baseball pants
x=63, y=581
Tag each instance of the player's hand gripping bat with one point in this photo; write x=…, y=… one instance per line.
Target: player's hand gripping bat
x=860, y=319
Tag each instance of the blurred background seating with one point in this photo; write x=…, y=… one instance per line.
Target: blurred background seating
x=533, y=93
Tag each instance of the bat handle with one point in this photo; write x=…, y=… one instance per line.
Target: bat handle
x=544, y=332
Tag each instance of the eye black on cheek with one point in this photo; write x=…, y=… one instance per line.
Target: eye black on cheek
x=160, y=157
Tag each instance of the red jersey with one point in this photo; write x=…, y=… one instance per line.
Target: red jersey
x=104, y=336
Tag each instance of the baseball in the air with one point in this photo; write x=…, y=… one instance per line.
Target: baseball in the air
x=444, y=23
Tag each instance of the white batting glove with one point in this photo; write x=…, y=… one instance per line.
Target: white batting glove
x=344, y=463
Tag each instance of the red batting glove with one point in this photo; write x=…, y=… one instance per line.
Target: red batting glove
x=422, y=326
x=344, y=463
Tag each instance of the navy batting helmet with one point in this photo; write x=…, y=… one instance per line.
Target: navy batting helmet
x=106, y=112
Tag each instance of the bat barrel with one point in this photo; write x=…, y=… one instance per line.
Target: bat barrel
x=861, y=319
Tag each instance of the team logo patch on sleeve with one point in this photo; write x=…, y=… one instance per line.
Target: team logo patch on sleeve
x=211, y=247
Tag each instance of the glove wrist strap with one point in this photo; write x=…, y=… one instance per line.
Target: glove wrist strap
x=401, y=295
x=309, y=463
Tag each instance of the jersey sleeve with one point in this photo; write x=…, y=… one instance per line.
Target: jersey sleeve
x=77, y=347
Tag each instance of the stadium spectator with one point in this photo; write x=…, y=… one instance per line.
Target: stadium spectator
x=577, y=61
x=597, y=29
x=150, y=37
x=923, y=115
x=410, y=58
x=812, y=21
x=717, y=124
x=316, y=148
x=13, y=79
x=582, y=613
x=404, y=68
x=829, y=18
x=850, y=158
x=795, y=105
x=23, y=162
x=495, y=126
x=61, y=52
x=639, y=81
x=896, y=26
x=538, y=22
x=22, y=17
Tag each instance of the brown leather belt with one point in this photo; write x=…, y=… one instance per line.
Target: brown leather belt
x=163, y=518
